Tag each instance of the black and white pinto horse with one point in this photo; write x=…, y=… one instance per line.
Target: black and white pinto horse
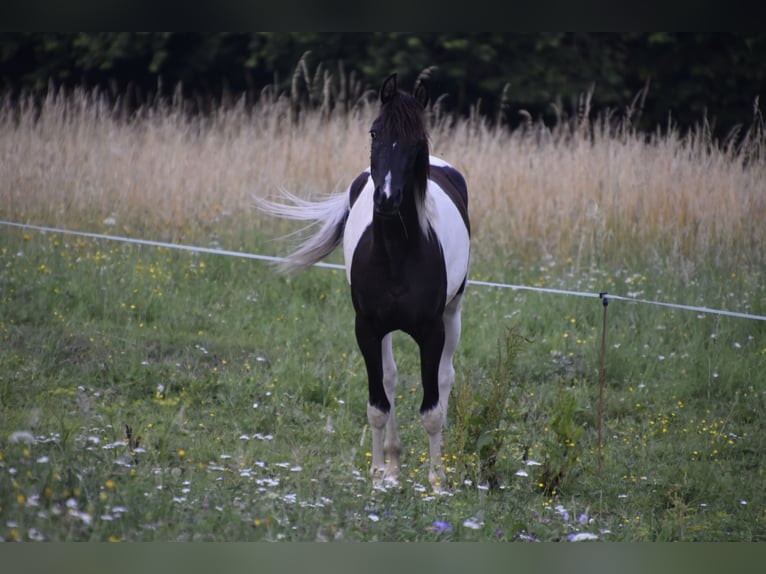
x=405, y=232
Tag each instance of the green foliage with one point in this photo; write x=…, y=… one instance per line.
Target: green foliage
x=245, y=397
x=483, y=412
x=690, y=76
x=562, y=448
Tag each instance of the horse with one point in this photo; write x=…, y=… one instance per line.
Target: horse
x=405, y=230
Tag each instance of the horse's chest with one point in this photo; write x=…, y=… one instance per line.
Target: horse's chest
x=399, y=297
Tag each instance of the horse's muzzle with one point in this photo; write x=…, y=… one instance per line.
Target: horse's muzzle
x=387, y=205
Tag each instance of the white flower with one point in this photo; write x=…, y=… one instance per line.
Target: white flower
x=35, y=534
x=22, y=436
x=472, y=523
x=84, y=516
x=580, y=536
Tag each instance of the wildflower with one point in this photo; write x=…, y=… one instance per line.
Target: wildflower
x=581, y=536
x=524, y=537
x=439, y=527
x=472, y=523
x=22, y=436
x=583, y=519
x=84, y=516
x=563, y=512
x=35, y=535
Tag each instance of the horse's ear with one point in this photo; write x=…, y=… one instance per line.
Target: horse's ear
x=421, y=91
x=388, y=90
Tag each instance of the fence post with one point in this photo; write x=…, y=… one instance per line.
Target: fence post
x=605, y=301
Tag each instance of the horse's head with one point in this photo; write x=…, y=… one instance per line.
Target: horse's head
x=399, y=146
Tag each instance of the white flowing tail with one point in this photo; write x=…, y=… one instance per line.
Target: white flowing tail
x=330, y=212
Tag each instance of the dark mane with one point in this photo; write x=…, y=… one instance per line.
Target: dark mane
x=403, y=116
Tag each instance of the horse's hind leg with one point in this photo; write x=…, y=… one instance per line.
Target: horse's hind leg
x=435, y=418
x=433, y=411
x=452, y=327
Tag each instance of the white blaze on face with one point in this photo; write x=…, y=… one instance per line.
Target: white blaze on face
x=387, y=186
x=387, y=180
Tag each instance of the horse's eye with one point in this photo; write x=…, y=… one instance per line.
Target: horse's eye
x=373, y=134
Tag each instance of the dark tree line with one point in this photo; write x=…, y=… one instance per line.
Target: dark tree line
x=688, y=76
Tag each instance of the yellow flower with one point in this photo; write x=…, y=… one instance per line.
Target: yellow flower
x=181, y=452
x=110, y=484
x=21, y=499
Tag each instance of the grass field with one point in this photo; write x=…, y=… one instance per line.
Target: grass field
x=154, y=394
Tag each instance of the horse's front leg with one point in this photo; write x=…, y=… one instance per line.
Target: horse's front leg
x=379, y=408
x=391, y=445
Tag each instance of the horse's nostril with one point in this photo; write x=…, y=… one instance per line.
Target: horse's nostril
x=383, y=202
x=386, y=205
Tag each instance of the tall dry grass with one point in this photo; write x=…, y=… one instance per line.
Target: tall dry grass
x=587, y=188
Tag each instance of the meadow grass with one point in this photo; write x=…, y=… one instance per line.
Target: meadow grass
x=154, y=394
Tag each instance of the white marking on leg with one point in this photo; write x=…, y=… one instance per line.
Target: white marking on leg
x=435, y=419
x=433, y=422
x=452, y=327
x=377, y=419
x=392, y=445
